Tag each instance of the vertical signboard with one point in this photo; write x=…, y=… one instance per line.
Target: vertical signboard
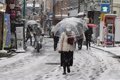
x=8, y=30
x=20, y=37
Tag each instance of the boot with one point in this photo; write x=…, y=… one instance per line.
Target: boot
x=68, y=69
x=64, y=70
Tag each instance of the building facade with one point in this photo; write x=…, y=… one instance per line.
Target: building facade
x=116, y=7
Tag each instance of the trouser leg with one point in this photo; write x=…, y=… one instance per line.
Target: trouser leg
x=31, y=41
x=56, y=39
x=87, y=44
x=68, y=69
x=64, y=70
x=80, y=43
x=55, y=45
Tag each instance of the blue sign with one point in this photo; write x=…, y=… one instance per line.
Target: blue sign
x=8, y=30
x=105, y=7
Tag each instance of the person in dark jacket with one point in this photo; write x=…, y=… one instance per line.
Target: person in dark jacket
x=80, y=40
x=88, y=35
x=55, y=38
x=29, y=34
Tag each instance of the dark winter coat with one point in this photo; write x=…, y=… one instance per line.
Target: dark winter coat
x=28, y=32
x=88, y=35
x=66, y=58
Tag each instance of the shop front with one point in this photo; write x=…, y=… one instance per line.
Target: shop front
x=107, y=30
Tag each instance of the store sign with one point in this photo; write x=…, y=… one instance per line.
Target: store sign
x=105, y=7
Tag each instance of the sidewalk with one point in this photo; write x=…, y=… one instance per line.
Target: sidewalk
x=110, y=74
x=113, y=50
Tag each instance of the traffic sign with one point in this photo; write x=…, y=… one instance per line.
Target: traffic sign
x=105, y=7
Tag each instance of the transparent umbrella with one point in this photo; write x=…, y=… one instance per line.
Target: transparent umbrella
x=31, y=22
x=74, y=23
x=62, y=28
x=79, y=22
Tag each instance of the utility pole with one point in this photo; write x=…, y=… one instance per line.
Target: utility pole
x=53, y=12
x=78, y=6
x=24, y=8
x=33, y=7
x=61, y=8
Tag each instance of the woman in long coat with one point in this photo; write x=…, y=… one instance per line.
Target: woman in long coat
x=66, y=47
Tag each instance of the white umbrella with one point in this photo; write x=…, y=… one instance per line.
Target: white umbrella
x=31, y=22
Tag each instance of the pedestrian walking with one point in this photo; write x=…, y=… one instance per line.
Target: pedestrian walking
x=66, y=48
x=29, y=34
x=55, y=38
x=80, y=40
x=81, y=37
x=88, y=35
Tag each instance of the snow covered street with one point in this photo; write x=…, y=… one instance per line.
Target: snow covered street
x=90, y=64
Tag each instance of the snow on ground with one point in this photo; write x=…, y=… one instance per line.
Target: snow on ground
x=115, y=50
x=90, y=64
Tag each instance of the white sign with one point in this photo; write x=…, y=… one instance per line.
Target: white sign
x=20, y=39
x=105, y=9
x=19, y=31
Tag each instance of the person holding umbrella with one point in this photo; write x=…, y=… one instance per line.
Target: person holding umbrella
x=81, y=37
x=29, y=34
x=66, y=48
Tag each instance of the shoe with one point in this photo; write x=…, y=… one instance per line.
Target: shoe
x=68, y=69
x=64, y=73
x=54, y=49
x=79, y=48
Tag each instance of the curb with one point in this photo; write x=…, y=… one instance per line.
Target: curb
x=104, y=50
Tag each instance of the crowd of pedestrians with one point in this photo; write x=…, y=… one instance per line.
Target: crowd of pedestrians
x=66, y=43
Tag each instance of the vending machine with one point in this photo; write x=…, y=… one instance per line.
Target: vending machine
x=109, y=23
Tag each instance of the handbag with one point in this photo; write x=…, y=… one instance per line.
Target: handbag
x=70, y=40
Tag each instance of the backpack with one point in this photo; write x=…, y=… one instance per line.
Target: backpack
x=70, y=40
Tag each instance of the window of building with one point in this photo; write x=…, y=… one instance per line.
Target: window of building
x=114, y=12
